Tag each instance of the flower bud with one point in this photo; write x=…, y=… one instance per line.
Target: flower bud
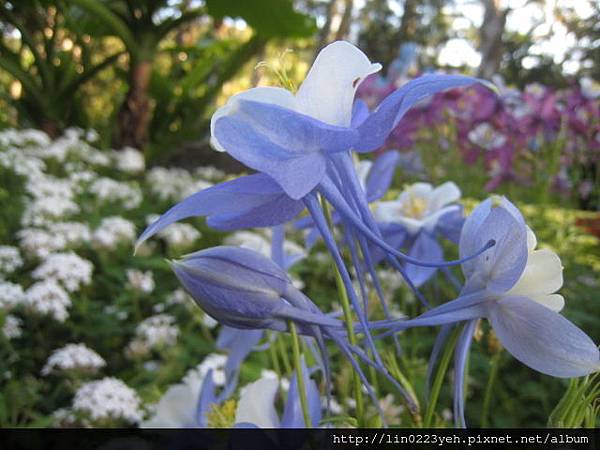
x=236, y=286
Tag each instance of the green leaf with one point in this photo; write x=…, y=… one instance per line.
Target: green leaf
x=270, y=18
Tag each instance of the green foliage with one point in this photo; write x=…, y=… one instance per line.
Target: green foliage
x=52, y=61
x=269, y=18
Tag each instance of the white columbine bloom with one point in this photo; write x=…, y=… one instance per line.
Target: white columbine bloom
x=419, y=206
x=542, y=277
x=178, y=407
x=485, y=136
x=256, y=404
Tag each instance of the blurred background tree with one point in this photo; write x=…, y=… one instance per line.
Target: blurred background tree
x=148, y=73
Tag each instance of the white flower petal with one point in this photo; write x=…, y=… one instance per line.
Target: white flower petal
x=443, y=194
x=416, y=190
x=412, y=225
x=177, y=407
x=256, y=404
x=386, y=212
x=554, y=302
x=328, y=91
x=265, y=94
x=531, y=240
x=542, y=275
x=430, y=221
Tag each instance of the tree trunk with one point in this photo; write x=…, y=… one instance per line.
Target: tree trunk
x=409, y=23
x=134, y=116
x=51, y=127
x=344, y=28
x=323, y=39
x=490, y=38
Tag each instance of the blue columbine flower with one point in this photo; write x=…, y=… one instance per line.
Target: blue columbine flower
x=514, y=286
x=300, y=144
x=414, y=221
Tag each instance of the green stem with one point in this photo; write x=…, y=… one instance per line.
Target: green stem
x=439, y=378
x=299, y=374
x=487, y=396
x=360, y=406
x=275, y=359
x=284, y=356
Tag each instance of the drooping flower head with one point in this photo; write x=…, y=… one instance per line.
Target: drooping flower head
x=513, y=286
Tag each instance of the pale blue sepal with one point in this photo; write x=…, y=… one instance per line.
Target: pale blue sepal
x=543, y=339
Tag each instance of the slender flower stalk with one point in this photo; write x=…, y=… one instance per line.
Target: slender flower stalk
x=358, y=395
x=299, y=374
x=487, y=396
x=438, y=380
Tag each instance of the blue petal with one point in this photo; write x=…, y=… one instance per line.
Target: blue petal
x=238, y=344
x=425, y=248
x=237, y=267
x=282, y=143
x=381, y=175
x=236, y=286
x=206, y=399
x=249, y=201
x=360, y=111
x=460, y=361
x=293, y=416
x=450, y=225
x=500, y=267
x=543, y=339
x=392, y=233
x=377, y=127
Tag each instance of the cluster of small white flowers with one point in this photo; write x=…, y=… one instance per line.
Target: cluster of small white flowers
x=21, y=163
x=29, y=136
x=39, y=243
x=52, y=199
x=261, y=242
x=390, y=281
x=250, y=240
x=57, y=149
x=154, y=332
x=112, y=232
x=49, y=186
x=195, y=186
x=10, y=259
x=177, y=297
x=167, y=183
x=129, y=160
x=109, y=190
x=272, y=375
x=140, y=281
x=69, y=269
x=47, y=298
x=11, y=295
x=12, y=327
x=108, y=398
x=177, y=235
x=72, y=233
x=215, y=362
x=73, y=357
x=42, y=212
x=79, y=176
x=90, y=155
x=209, y=173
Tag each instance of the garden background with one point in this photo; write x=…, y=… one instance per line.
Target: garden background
x=105, y=108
